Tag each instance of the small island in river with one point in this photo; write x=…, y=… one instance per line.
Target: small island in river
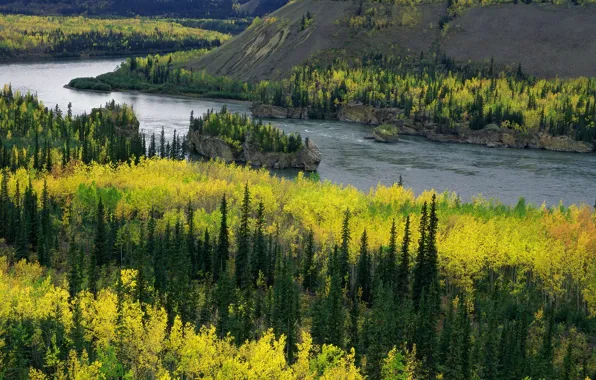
x=237, y=138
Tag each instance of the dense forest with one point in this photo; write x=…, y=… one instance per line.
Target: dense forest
x=33, y=136
x=32, y=36
x=235, y=129
x=115, y=265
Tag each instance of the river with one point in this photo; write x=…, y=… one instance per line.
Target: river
x=469, y=170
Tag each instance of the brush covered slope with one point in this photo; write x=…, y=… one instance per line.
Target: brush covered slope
x=272, y=46
x=509, y=33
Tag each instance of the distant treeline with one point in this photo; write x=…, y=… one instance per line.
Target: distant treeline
x=32, y=36
x=228, y=26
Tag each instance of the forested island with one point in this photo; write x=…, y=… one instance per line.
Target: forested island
x=236, y=138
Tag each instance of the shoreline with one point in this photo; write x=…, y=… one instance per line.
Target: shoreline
x=491, y=136
x=181, y=96
x=85, y=57
x=490, y=141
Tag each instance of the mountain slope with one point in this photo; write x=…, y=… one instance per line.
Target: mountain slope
x=269, y=49
x=547, y=40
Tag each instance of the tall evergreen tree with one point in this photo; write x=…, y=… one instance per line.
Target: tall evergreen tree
x=344, y=254
x=223, y=244
x=243, y=249
x=258, y=258
x=286, y=310
x=419, y=275
x=309, y=272
x=403, y=289
x=363, y=273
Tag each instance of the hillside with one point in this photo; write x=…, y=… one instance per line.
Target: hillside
x=548, y=41
x=270, y=48
x=541, y=37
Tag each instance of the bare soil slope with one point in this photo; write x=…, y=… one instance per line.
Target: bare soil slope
x=270, y=50
x=547, y=40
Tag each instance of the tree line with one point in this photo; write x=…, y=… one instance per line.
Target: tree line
x=33, y=36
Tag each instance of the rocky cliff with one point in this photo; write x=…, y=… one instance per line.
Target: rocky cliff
x=307, y=158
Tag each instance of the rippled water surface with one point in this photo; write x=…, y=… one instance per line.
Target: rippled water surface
x=507, y=174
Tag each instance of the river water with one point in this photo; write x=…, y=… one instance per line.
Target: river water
x=469, y=170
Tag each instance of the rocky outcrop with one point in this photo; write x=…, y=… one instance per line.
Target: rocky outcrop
x=386, y=133
x=212, y=147
x=505, y=138
x=275, y=112
x=307, y=158
x=359, y=113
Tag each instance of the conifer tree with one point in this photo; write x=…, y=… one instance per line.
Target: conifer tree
x=74, y=273
x=388, y=261
x=309, y=273
x=207, y=253
x=335, y=305
x=258, y=258
x=344, y=254
x=419, y=275
x=101, y=236
x=223, y=244
x=363, y=274
x=243, y=250
x=224, y=296
x=403, y=289
x=286, y=313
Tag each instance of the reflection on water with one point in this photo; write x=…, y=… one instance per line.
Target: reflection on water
x=507, y=174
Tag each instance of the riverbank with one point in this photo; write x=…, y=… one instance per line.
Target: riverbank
x=491, y=136
x=157, y=94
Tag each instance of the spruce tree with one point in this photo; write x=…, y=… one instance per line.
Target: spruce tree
x=223, y=244
x=419, y=275
x=388, y=261
x=335, y=303
x=243, y=249
x=101, y=236
x=286, y=310
x=258, y=258
x=309, y=272
x=207, y=253
x=403, y=289
x=74, y=273
x=344, y=254
x=363, y=274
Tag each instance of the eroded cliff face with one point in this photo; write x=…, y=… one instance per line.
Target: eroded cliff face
x=492, y=135
x=273, y=112
x=307, y=158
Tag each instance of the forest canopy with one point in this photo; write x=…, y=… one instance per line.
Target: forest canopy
x=34, y=36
